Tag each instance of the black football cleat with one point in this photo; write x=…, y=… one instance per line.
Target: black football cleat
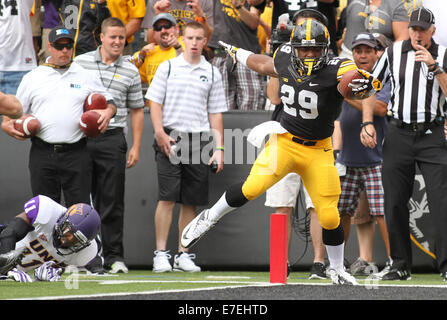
x=11, y=259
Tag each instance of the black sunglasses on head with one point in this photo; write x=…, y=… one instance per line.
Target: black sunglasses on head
x=61, y=46
x=161, y=26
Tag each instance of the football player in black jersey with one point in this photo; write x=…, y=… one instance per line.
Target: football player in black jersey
x=301, y=143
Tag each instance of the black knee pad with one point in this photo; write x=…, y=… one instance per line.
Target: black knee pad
x=334, y=237
x=234, y=196
x=15, y=231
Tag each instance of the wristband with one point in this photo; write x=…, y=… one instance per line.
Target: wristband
x=242, y=56
x=238, y=7
x=364, y=124
x=439, y=71
x=200, y=19
x=432, y=67
x=220, y=148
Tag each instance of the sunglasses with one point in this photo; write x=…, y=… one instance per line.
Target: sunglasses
x=61, y=46
x=161, y=26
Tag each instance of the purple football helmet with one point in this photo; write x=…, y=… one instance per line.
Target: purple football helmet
x=75, y=229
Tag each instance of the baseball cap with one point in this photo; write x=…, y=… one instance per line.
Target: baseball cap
x=421, y=17
x=382, y=41
x=365, y=38
x=60, y=32
x=164, y=16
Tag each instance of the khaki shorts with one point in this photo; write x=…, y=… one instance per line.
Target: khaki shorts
x=285, y=192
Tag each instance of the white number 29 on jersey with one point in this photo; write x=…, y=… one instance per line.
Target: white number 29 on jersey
x=308, y=101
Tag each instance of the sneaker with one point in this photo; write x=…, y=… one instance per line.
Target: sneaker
x=340, y=276
x=118, y=266
x=362, y=268
x=397, y=274
x=161, y=261
x=317, y=271
x=183, y=262
x=196, y=229
x=444, y=276
x=10, y=259
x=289, y=270
x=384, y=271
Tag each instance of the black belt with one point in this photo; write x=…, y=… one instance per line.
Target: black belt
x=59, y=147
x=417, y=127
x=306, y=143
x=113, y=131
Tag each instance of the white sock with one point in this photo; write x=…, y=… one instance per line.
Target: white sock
x=336, y=255
x=219, y=209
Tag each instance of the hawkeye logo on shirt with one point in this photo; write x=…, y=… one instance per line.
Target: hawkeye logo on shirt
x=75, y=86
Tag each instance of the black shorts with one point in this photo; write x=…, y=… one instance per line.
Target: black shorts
x=186, y=182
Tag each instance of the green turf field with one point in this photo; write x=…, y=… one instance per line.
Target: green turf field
x=146, y=282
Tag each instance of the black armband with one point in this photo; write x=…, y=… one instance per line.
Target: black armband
x=15, y=231
x=336, y=153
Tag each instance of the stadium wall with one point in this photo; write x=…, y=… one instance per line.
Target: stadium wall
x=239, y=241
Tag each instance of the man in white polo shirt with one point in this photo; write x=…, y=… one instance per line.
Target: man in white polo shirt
x=55, y=93
x=191, y=92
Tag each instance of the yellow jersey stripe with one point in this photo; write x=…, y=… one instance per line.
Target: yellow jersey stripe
x=343, y=69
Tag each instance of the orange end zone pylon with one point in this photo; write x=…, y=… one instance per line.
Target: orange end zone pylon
x=278, y=248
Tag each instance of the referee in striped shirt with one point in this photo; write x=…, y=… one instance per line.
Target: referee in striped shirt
x=415, y=135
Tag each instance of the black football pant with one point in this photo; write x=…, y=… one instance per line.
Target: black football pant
x=402, y=151
x=108, y=158
x=60, y=167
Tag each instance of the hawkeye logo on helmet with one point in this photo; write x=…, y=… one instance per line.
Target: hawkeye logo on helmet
x=75, y=209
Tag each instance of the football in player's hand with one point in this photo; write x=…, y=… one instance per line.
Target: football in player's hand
x=346, y=79
x=28, y=124
x=95, y=101
x=89, y=123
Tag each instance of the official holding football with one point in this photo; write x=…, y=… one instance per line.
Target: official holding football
x=415, y=136
x=55, y=93
x=108, y=152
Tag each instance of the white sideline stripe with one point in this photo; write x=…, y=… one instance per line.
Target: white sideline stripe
x=227, y=277
x=260, y=284
x=242, y=285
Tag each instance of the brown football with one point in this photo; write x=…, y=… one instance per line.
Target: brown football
x=89, y=123
x=95, y=101
x=28, y=124
x=343, y=85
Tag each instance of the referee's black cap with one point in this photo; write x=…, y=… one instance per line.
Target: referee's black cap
x=60, y=32
x=422, y=17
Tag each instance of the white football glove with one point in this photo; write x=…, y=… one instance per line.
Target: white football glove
x=19, y=276
x=231, y=50
x=47, y=272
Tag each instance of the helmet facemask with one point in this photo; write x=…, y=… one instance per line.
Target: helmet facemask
x=308, y=34
x=62, y=229
x=75, y=229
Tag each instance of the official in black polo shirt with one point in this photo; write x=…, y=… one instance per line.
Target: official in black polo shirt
x=55, y=93
x=415, y=136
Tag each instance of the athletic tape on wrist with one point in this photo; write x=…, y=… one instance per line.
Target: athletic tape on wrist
x=242, y=55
